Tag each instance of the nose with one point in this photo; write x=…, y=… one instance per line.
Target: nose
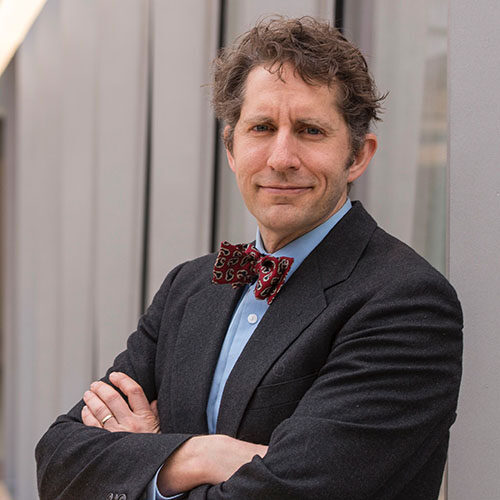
x=283, y=154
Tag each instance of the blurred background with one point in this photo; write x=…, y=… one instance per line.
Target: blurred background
x=112, y=172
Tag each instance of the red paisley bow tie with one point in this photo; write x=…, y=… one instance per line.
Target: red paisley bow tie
x=241, y=265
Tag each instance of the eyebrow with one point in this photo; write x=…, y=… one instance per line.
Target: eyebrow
x=317, y=122
x=257, y=118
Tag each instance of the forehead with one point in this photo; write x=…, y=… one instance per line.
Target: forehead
x=268, y=89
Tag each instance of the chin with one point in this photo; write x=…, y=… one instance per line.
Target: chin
x=279, y=220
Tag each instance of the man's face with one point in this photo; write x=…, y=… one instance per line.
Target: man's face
x=290, y=153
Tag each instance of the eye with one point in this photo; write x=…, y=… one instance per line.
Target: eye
x=313, y=131
x=260, y=128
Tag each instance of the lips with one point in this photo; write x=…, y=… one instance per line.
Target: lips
x=278, y=189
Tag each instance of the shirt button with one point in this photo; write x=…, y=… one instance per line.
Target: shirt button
x=252, y=318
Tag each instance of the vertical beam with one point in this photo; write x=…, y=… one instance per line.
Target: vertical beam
x=37, y=211
x=147, y=157
x=77, y=178
x=474, y=157
x=8, y=255
x=120, y=118
x=217, y=149
x=183, y=126
x=338, y=15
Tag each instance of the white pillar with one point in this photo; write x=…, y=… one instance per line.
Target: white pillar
x=474, y=157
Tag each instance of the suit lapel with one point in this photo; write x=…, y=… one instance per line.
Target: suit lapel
x=342, y=248
x=279, y=327
x=201, y=334
x=297, y=305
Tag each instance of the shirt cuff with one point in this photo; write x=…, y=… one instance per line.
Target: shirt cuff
x=154, y=493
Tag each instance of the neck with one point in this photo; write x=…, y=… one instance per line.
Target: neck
x=273, y=242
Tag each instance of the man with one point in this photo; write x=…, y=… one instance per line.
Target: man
x=327, y=366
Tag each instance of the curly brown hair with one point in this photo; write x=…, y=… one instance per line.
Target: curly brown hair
x=319, y=53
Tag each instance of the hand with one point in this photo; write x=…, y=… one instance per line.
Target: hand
x=103, y=400
x=205, y=460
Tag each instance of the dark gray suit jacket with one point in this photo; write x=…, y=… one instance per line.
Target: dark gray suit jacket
x=351, y=377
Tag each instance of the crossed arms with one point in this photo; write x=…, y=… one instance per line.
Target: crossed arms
x=208, y=459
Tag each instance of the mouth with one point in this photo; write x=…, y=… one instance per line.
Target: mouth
x=285, y=190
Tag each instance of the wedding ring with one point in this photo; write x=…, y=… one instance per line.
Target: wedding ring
x=106, y=418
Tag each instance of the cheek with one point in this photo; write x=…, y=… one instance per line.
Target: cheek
x=245, y=185
x=332, y=183
x=247, y=167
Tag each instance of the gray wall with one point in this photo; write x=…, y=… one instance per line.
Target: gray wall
x=474, y=156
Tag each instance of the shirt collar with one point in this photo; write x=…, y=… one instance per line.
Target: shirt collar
x=300, y=248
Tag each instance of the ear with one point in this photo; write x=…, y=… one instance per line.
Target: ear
x=363, y=157
x=229, y=154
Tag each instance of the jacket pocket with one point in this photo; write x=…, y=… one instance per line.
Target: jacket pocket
x=282, y=393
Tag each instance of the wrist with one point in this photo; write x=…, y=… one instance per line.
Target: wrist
x=199, y=457
x=196, y=459
x=184, y=469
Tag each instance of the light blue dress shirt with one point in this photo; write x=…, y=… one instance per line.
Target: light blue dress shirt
x=246, y=318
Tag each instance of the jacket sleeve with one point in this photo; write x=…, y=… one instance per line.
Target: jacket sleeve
x=379, y=409
x=75, y=461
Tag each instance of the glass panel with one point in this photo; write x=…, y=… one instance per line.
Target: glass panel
x=405, y=43
x=405, y=186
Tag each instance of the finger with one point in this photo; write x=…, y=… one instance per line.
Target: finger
x=96, y=406
x=136, y=397
x=154, y=408
x=112, y=399
x=88, y=419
